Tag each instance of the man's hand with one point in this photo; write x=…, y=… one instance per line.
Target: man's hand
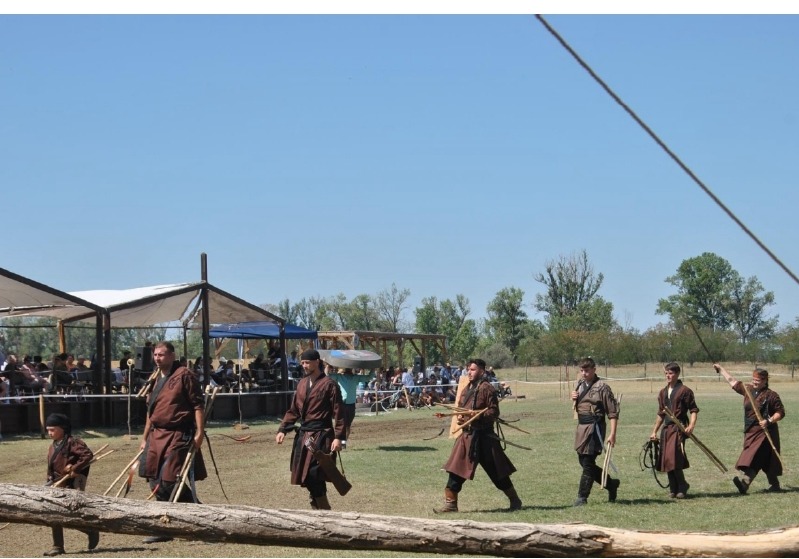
x=335, y=446
x=279, y=437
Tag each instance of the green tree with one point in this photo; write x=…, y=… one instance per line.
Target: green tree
x=748, y=304
x=506, y=319
x=570, y=300
x=390, y=304
x=703, y=287
x=448, y=318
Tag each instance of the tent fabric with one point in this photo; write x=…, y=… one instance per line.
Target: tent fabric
x=19, y=294
x=259, y=330
x=138, y=307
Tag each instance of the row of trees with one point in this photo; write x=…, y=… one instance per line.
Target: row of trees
x=712, y=302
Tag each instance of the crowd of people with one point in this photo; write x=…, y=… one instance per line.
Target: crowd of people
x=322, y=411
x=34, y=376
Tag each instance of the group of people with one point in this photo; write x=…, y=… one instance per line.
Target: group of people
x=34, y=376
x=176, y=417
x=595, y=406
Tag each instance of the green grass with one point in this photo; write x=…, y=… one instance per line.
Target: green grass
x=396, y=472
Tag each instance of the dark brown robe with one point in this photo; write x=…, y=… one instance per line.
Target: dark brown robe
x=69, y=450
x=172, y=427
x=593, y=406
x=462, y=460
x=672, y=448
x=320, y=411
x=768, y=403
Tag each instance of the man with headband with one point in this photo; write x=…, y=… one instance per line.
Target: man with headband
x=757, y=453
x=317, y=405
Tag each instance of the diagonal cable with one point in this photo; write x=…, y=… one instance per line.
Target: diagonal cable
x=665, y=148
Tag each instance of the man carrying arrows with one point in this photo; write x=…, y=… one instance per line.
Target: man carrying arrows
x=761, y=434
x=679, y=399
x=478, y=444
x=593, y=401
x=175, y=423
x=317, y=405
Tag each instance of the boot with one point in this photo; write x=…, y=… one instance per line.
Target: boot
x=682, y=485
x=673, y=485
x=773, y=484
x=58, y=542
x=94, y=538
x=613, y=489
x=586, y=482
x=742, y=484
x=515, y=502
x=313, y=504
x=450, y=502
x=322, y=503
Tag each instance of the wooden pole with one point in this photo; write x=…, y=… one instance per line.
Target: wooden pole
x=45, y=506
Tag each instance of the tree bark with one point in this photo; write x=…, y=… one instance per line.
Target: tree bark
x=351, y=530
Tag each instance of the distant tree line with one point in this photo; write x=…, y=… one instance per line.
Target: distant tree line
x=713, y=303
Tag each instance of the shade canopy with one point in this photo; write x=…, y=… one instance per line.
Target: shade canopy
x=138, y=307
x=260, y=330
x=19, y=294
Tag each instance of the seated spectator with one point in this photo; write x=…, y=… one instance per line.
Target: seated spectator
x=259, y=363
x=39, y=365
x=70, y=363
x=294, y=367
x=80, y=364
x=31, y=381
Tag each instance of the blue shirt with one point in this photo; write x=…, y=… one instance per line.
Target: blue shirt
x=348, y=384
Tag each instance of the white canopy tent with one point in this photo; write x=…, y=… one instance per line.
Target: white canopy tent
x=179, y=304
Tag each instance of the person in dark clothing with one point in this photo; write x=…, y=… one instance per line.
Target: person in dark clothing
x=477, y=443
x=593, y=402
x=757, y=453
x=679, y=399
x=317, y=404
x=67, y=456
x=174, y=424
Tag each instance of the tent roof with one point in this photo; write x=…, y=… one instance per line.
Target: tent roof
x=18, y=294
x=260, y=329
x=138, y=307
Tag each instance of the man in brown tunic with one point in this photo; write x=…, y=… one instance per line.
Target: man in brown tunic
x=317, y=405
x=757, y=453
x=478, y=444
x=680, y=400
x=67, y=455
x=175, y=422
x=593, y=402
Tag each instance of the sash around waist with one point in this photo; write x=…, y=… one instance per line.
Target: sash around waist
x=319, y=425
x=584, y=418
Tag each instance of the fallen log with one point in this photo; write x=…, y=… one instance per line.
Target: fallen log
x=351, y=530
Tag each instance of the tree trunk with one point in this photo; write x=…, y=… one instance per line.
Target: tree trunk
x=351, y=530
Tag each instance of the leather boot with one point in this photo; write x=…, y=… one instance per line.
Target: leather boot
x=513, y=497
x=742, y=484
x=94, y=538
x=322, y=503
x=450, y=502
x=613, y=489
x=313, y=504
x=586, y=482
x=58, y=542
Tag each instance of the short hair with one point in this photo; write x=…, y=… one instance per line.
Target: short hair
x=587, y=363
x=479, y=362
x=167, y=345
x=762, y=373
x=673, y=367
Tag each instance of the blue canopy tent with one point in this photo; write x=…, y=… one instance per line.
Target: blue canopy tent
x=259, y=330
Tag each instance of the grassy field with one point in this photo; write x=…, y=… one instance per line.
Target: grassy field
x=396, y=471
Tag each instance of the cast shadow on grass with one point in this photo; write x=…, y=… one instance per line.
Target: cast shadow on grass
x=105, y=550
x=408, y=448
x=524, y=507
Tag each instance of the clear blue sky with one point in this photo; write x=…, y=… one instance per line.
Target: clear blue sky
x=312, y=155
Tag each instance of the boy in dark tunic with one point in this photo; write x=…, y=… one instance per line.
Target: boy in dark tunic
x=175, y=422
x=477, y=443
x=317, y=405
x=593, y=402
x=757, y=453
x=680, y=400
x=67, y=456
